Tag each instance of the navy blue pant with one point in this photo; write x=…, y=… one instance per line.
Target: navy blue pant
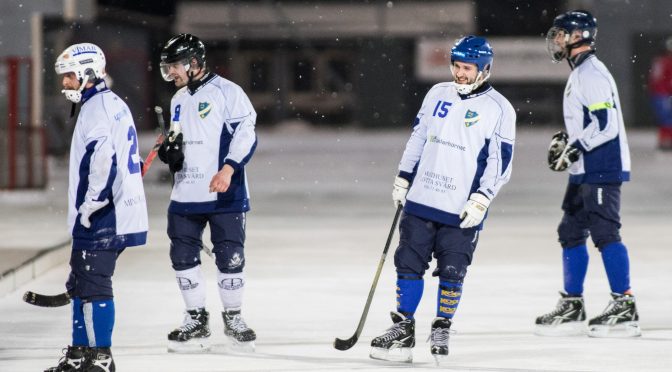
x=227, y=233
x=590, y=209
x=91, y=274
x=452, y=247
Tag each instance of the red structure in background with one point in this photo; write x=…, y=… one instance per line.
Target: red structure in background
x=23, y=150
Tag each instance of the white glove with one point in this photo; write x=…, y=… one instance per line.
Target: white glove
x=399, y=191
x=474, y=211
x=88, y=208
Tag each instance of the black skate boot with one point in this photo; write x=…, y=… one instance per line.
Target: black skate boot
x=239, y=334
x=99, y=359
x=397, y=342
x=72, y=360
x=439, y=338
x=566, y=320
x=619, y=319
x=193, y=335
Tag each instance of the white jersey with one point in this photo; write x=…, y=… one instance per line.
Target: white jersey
x=459, y=145
x=594, y=122
x=217, y=121
x=105, y=164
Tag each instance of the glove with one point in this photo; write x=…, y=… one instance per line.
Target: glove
x=568, y=156
x=171, y=152
x=558, y=144
x=399, y=191
x=88, y=208
x=474, y=211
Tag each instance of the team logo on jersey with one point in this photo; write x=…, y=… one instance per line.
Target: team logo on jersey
x=203, y=109
x=471, y=118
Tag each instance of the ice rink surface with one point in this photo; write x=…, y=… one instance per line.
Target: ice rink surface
x=321, y=213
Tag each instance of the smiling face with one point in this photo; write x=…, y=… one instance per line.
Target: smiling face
x=464, y=73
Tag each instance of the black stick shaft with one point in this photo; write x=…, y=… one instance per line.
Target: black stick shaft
x=347, y=344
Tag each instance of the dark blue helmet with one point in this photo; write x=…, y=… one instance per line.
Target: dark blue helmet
x=564, y=26
x=472, y=49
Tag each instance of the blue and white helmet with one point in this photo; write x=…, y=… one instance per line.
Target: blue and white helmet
x=86, y=61
x=579, y=22
x=475, y=50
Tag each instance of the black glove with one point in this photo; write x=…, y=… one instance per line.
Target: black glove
x=568, y=156
x=558, y=144
x=171, y=153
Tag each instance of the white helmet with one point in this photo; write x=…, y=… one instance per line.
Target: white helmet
x=86, y=61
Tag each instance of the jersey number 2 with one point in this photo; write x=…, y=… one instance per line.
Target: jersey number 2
x=133, y=167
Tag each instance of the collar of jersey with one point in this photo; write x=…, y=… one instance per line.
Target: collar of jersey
x=98, y=87
x=480, y=90
x=197, y=85
x=580, y=58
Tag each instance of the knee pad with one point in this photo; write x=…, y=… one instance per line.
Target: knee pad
x=408, y=261
x=571, y=235
x=452, y=267
x=184, y=257
x=229, y=257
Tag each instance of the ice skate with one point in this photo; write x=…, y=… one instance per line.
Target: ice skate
x=619, y=319
x=72, y=360
x=566, y=320
x=397, y=342
x=240, y=336
x=193, y=335
x=99, y=359
x=439, y=338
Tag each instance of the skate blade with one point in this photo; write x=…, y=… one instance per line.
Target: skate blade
x=564, y=329
x=623, y=330
x=195, y=345
x=398, y=354
x=239, y=346
x=439, y=358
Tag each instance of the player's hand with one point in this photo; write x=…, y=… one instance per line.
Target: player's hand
x=557, y=145
x=222, y=180
x=474, y=211
x=171, y=152
x=399, y=191
x=568, y=156
x=88, y=208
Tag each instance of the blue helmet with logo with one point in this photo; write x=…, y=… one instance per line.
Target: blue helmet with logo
x=475, y=50
x=575, y=22
x=472, y=49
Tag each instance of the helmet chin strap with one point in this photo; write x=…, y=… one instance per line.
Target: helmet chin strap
x=465, y=89
x=75, y=95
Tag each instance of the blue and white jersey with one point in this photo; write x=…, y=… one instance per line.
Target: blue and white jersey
x=217, y=121
x=459, y=145
x=105, y=164
x=594, y=122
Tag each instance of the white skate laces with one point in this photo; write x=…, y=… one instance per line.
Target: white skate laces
x=236, y=323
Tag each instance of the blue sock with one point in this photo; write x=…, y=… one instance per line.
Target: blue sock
x=448, y=299
x=617, y=266
x=574, y=268
x=79, y=337
x=409, y=293
x=99, y=316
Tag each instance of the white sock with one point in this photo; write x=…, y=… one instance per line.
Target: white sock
x=192, y=286
x=231, y=290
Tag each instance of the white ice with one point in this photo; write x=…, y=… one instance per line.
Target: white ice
x=321, y=213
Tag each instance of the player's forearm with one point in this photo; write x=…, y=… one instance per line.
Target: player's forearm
x=242, y=147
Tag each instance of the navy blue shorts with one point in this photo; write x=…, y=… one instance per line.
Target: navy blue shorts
x=91, y=274
x=590, y=209
x=452, y=247
x=227, y=233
